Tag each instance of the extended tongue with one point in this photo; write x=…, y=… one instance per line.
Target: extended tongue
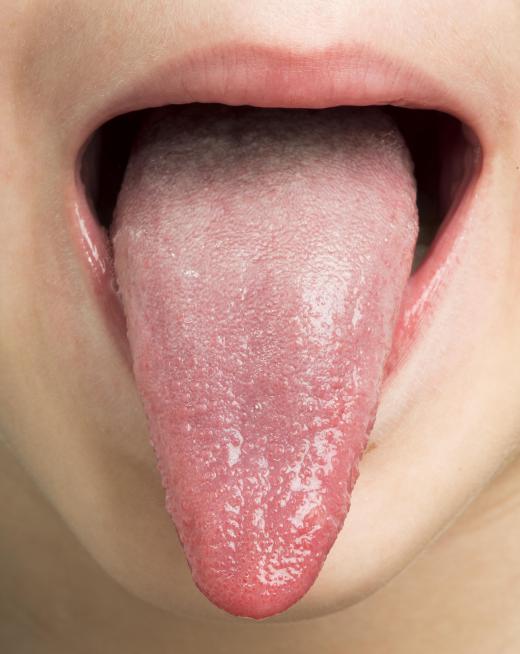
x=261, y=257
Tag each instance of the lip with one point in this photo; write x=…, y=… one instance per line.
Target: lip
x=274, y=77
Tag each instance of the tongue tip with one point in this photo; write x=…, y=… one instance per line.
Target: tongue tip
x=257, y=608
x=256, y=603
x=252, y=605
x=261, y=583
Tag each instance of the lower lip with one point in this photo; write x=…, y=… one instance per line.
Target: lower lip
x=265, y=78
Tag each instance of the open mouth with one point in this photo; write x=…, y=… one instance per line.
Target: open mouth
x=260, y=400
x=443, y=158
x=446, y=159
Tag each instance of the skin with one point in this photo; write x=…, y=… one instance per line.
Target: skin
x=88, y=553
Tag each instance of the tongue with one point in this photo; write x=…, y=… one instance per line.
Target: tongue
x=261, y=257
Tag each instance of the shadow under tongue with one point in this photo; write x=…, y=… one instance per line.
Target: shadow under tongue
x=261, y=257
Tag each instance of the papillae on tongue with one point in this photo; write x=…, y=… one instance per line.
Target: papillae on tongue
x=261, y=257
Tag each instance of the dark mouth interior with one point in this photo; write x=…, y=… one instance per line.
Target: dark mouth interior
x=437, y=142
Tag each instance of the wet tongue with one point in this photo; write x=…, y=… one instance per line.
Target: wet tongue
x=261, y=257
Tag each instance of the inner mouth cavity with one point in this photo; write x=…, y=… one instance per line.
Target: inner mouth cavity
x=261, y=258
x=437, y=142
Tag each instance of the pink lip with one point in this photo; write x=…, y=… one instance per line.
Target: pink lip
x=268, y=77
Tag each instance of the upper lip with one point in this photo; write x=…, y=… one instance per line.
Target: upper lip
x=260, y=75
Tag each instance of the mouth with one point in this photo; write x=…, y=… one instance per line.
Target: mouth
x=446, y=162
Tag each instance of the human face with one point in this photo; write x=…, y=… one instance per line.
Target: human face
x=449, y=414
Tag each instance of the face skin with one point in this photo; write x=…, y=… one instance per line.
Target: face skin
x=449, y=421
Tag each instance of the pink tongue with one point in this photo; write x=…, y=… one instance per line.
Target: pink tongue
x=261, y=257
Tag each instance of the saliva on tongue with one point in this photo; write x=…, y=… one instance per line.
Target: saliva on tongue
x=261, y=257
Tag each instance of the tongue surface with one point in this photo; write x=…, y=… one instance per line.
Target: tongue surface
x=261, y=257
